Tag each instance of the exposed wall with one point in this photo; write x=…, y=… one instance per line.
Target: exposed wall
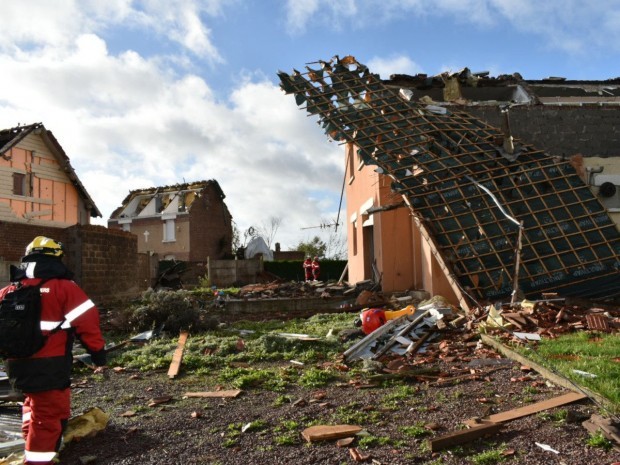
x=49, y=194
x=591, y=130
x=105, y=262
x=210, y=227
x=153, y=242
x=226, y=273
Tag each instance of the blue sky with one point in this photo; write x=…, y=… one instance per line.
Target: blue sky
x=147, y=93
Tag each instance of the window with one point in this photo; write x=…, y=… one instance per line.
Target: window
x=19, y=184
x=169, y=235
x=126, y=227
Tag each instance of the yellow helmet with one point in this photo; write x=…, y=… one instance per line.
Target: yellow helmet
x=46, y=246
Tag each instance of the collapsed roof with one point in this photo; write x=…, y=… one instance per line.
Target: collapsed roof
x=476, y=193
x=152, y=201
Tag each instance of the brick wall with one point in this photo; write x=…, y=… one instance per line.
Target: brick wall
x=105, y=262
x=591, y=130
x=210, y=227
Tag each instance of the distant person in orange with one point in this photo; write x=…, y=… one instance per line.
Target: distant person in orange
x=316, y=269
x=308, y=268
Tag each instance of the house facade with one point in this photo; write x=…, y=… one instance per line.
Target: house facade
x=188, y=222
x=38, y=185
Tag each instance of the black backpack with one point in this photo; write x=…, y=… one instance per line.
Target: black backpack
x=20, y=322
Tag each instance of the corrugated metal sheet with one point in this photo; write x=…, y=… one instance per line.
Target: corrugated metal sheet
x=462, y=185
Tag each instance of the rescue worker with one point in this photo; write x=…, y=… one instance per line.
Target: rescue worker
x=44, y=378
x=316, y=269
x=307, y=265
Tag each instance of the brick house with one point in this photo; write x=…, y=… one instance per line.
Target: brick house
x=442, y=189
x=188, y=222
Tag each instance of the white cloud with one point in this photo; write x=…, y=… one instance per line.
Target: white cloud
x=41, y=23
x=394, y=64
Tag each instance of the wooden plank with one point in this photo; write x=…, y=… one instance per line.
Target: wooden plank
x=178, y=355
x=532, y=408
x=210, y=394
x=463, y=436
x=329, y=432
x=551, y=376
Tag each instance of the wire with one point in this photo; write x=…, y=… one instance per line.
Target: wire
x=344, y=178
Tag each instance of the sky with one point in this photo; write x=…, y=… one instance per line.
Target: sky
x=158, y=92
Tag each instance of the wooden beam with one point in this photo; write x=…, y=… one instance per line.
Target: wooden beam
x=533, y=408
x=207, y=394
x=178, y=355
x=463, y=436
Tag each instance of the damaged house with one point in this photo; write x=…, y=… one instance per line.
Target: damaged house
x=188, y=222
x=438, y=199
x=39, y=185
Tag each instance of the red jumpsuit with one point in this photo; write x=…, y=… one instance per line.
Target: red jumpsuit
x=44, y=378
x=316, y=270
x=308, y=269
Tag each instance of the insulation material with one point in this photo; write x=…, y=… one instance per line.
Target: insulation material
x=445, y=164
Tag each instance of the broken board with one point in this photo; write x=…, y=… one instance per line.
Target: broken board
x=328, y=432
x=461, y=437
x=531, y=409
x=175, y=365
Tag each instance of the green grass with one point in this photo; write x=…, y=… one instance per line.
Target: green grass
x=598, y=440
x=588, y=352
x=489, y=457
x=415, y=431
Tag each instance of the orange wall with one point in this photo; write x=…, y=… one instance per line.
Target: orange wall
x=402, y=256
x=51, y=189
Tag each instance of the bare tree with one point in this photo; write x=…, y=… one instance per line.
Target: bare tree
x=336, y=245
x=268, y=231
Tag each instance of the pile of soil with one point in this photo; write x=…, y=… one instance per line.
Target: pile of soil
x=146, y=428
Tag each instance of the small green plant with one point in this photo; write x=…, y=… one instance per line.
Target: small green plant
x=558, y=416
x=286, y=433
x=599, y=440
x=281, y=400
x=373, y=441
x=244, y=378
x=489, y=457
x=415, y=431
x=255, y=425
x=315, y=377
x=353, y=414
x=230, y=442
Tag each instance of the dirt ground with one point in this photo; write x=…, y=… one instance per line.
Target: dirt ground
x=209, y=431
